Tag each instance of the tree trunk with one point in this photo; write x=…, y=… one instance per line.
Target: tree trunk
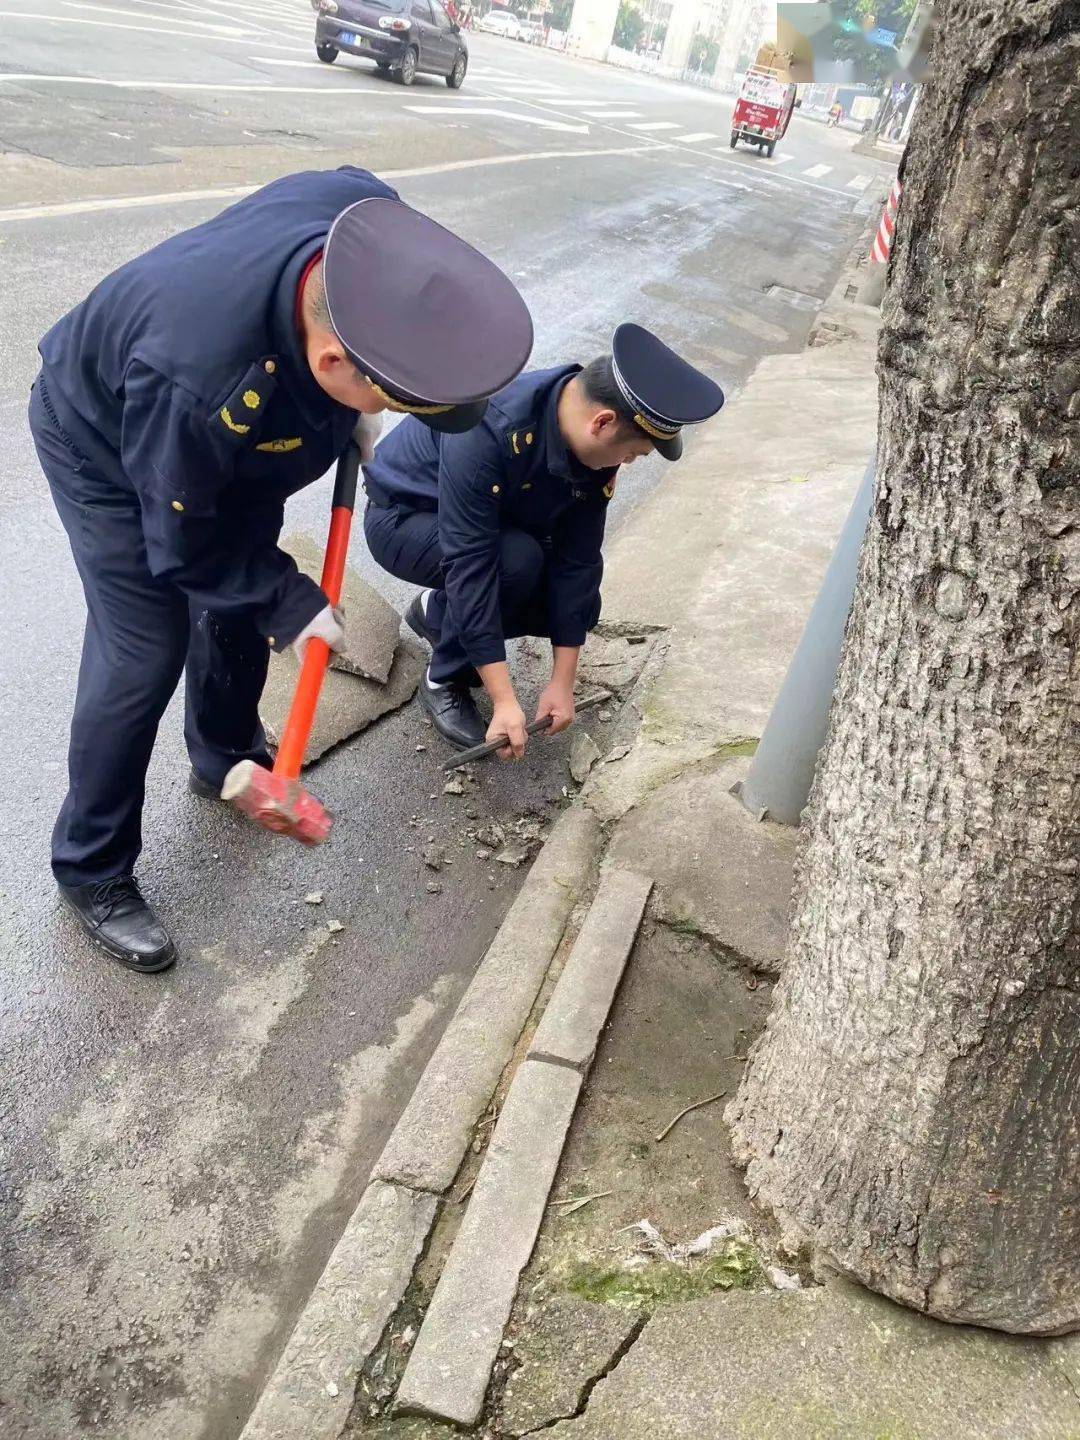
x=913, y=1108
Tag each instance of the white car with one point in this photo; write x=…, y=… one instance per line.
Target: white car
x=501, y=22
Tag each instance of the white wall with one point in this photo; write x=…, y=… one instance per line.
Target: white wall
x=591, y=28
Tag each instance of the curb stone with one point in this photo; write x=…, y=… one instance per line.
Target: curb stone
x=311, y=1390
x=578, y=1009
x=448, y=1372
x=310, y=1393
x=430, y=1140
x=450, y=1367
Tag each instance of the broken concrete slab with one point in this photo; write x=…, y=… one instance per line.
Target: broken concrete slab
x=834, y=1361
x=348, y=703
x=450, y=1367
x=581, y=1001
x=718, y=871
x=584, y=753
x=612, y=663
x=568, y=1346
x=372, y=624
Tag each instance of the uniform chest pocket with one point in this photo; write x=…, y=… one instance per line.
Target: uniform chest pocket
x=285, y=462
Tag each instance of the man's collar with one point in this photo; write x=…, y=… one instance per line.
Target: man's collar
x=311, y=399
x=561, y=460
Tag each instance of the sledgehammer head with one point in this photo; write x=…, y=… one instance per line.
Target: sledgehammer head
x=277, y=803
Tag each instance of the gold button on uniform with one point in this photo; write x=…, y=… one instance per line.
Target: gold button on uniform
x=528, y=438
x=176, y=505
x=269, y=366
x=494, y=489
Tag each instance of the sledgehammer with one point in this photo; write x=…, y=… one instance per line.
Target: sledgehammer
x=275, y=798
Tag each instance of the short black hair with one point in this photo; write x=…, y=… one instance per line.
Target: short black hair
x=598, y=382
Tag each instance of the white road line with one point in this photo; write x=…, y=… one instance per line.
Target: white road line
x=817, y=172
x=612, y=114
x=512, y=92
x=271, y=60
x=540, y=120
x=696, y=138
x=234, y=192
x=782, y=159
x=265, y=88
x=240, y=38
x=200, y=25
x=654, y=125
x=858, y=182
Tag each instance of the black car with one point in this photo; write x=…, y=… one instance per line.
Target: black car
x=405, y=37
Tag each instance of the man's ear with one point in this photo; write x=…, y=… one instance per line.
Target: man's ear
x=330, y=356
x=602, y=421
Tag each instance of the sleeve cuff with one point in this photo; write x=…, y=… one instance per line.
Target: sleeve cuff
x=301, y=603
x=568, y=638
x=486, y=652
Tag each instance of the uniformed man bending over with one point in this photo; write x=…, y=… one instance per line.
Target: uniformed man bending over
x=503, y=526
x=176, y=409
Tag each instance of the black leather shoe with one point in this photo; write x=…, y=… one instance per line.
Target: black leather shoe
x=203, y=788
x=115, y=915
x=417, y=621
x=453, y=712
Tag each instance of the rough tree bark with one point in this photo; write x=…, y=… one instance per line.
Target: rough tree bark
x=913, y=1108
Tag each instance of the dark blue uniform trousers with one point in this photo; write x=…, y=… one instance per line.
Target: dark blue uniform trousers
x=140, y=635
x=406, y=543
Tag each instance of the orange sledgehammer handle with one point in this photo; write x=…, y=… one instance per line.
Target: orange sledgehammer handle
x=294, y=741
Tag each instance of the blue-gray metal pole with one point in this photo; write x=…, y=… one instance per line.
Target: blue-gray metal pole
x=778, y=782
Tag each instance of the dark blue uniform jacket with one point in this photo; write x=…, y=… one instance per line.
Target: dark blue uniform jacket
x=182, y=378
x=513, y=470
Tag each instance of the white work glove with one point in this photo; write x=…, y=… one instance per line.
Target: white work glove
x=368, y=429
x=328, y=625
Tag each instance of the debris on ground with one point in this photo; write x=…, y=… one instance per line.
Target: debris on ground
x=433, y=856
x=514, y=853
x=653, y=1243
x=483, y=853
x=433, y=887
x=491, y=836
x=578, y=1202
x=313, y=897
x=697, y=1104
x=453, y=787
x=782, y=1279
x=583, y=756
x=335, y=927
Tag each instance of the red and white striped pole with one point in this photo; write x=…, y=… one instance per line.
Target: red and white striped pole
x=882, y=245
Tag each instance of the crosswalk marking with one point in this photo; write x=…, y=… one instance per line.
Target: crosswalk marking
x=526, y=119
x=782, y=159
x=695, y=139
x=612, y=114
x=817, y=171
x=654, y=125
x=858, y=182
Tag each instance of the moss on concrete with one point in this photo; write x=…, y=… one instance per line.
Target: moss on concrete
x=735, y=1266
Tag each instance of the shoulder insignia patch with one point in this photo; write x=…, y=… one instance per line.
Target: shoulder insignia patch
x=243, y=408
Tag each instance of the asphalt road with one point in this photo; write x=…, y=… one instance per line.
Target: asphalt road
x=179, y=1152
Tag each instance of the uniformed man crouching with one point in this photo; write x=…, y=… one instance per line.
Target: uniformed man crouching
x=503, y=526
x=176, y=409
